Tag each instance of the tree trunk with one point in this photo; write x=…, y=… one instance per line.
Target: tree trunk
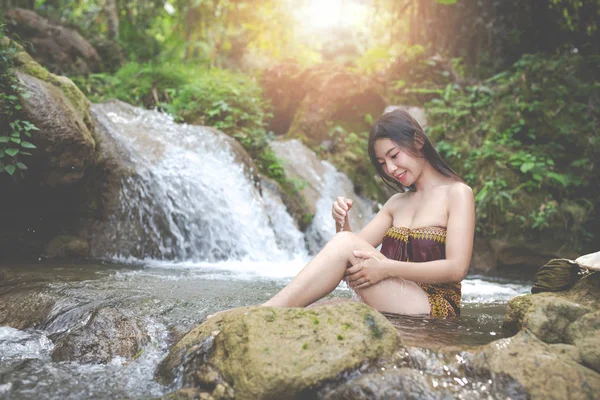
x=112, y=19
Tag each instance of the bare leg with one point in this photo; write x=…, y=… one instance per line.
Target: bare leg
x=322, y=275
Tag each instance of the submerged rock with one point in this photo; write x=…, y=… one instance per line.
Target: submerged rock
x=403, y=383
x=266, y=353
x=108, y=333
x=22, y=309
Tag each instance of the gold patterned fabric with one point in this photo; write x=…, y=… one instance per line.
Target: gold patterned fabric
x=421, y=245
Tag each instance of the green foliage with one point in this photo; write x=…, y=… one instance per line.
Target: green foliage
x=527, y=141
x=416, y=77
x=14, y=131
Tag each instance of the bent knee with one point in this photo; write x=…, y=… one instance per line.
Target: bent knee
x=344, y=235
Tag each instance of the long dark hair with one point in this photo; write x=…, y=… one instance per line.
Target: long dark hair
x=401, y=128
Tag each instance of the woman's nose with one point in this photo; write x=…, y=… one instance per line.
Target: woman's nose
x=391, y=167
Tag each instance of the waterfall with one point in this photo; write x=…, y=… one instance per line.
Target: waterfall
x=188, y=198
x=324, y=183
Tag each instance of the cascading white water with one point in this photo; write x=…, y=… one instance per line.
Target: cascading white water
x=324, y=184
x=188, y=199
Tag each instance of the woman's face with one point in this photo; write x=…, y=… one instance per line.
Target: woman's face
x=397, y=163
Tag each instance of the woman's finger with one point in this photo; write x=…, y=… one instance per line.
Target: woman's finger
x=359, y=282
x=338, y=210
x=361, y=254
x=363, y=285
x=342, y=202
x=353, y=270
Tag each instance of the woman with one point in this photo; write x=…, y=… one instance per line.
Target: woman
x=426, y=233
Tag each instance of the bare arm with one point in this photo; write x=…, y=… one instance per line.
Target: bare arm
x=459, y=245
x=374, y=231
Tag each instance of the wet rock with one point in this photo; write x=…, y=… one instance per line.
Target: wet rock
x=567, y=350
x=62, y=50
x=22, y=309
x=548, y=314
x=542, y=372
x=189, y=394
x=265, y=353
x=44, y=203
x=403, y=383
x=585, y=335
x=571, y=321
x=107, y=334
x=549, y=317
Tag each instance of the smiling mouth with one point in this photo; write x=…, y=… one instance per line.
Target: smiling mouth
x=400, y=176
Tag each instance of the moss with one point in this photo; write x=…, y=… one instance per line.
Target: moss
x=76, y=98
x=254, y=358
x=516, y=311
x=26, y=64
x=29, y=66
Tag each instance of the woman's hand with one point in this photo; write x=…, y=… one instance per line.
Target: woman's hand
x=340, y=209
x=367, y=271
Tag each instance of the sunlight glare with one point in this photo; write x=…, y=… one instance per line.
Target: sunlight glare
x=321, y=14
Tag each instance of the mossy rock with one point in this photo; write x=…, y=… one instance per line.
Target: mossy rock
x=270, y=353
x=80, y=103
x=542, y=372
x=549, y=315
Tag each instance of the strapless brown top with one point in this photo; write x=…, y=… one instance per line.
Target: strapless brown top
x=421, y=245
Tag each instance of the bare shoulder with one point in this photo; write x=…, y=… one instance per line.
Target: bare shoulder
x=460, y=191
x=396, y=200
x=460, y=197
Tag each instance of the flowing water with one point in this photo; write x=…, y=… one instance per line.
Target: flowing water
x=170, y=298
x=192, y=235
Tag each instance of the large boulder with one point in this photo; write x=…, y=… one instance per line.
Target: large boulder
x=62, y=50
x=269, y=353
x=569, y=320
x=543, y=372
x=39, y=207
x=66, y=146
x=525, y=311
x=334, y=97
